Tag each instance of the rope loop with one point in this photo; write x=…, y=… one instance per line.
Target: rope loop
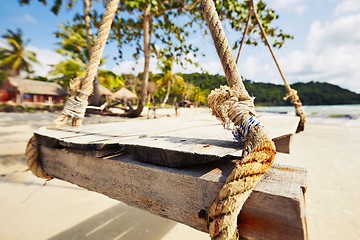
x=33, y=160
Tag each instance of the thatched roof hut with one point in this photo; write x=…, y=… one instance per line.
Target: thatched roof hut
x=104, y=91
x=124, y=94
x=37, y=87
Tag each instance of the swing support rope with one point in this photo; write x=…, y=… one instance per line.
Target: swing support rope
x=233, y=104
x=290, y=92
x=80, y=89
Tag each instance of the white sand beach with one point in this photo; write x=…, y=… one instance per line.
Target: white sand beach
x=60, y=210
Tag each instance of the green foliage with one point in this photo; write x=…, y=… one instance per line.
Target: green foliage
x=168, y=28
x=172, y=22
x=110, y=80
x=316, y=93
x=56, y=6
x=268, y=94
x=66, y=70
x=16, y=58
x=3, y=75
x=205, y=81
x=168, y=84
x=236, y=13
x=73, y=46
x=72, y=42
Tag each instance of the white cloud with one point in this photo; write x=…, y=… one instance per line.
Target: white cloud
x=332, y=54
x=347, y=6
x=46, y=58
x=3, y=44
x=296, y=6
x=131, y=66
x=210, y=66
x=25, y=18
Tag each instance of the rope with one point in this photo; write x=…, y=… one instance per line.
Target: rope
x=222, y=46
x=295, y=100
x=244, y=34
x=80, y=89
x=32, y=159
x=291, y=93
x=258, y=157
x=77, y=104
x=234, y=104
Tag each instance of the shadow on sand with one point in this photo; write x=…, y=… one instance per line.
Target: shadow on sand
x=119, y=222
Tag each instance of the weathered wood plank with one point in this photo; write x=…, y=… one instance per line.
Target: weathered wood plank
x=181, y=194
x=88, y=136
x=283, y=143
x=279, y=125
x=169, y=142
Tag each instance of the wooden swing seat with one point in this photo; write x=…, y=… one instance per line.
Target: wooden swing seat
x=113, y=159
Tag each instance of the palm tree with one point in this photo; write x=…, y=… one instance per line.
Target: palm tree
x=72, y=45
x=168, y=79
x=16, y=58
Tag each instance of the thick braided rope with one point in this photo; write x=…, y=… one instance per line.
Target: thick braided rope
x=76, y=105
x=248, y=171
x=222, y=46
x=235, y=104
x=32, y=159
x=86, y=85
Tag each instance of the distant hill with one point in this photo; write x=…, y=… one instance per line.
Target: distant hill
x=268, y=94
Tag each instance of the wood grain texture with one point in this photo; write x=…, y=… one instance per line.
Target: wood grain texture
x=275, y=210
x=168, y=142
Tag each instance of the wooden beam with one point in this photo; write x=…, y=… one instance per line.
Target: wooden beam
x=275, y=210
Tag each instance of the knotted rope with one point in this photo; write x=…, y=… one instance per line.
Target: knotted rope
x=76, y=105
x=295, y=100
x=234, y=104
x=259, y=155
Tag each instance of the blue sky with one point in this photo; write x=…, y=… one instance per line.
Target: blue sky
x=326, y=47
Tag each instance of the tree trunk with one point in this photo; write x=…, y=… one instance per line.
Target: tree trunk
x=87, y=7
x=166, y=98
x=145, y=77
x=95, y=99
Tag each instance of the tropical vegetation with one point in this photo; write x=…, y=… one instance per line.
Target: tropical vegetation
x=158, y=30
x=15, y=58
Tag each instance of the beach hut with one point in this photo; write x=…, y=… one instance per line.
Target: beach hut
x=22, y=91
x=187, y=170
x=104, y=91
x=124, y=94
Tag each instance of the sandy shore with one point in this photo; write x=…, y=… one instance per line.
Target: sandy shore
x=60, y=210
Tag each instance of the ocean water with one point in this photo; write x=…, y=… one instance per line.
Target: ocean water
x=326, y=114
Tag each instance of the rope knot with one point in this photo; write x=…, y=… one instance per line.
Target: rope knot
x=75, y=107
x=294, y=97
x=228, y=105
